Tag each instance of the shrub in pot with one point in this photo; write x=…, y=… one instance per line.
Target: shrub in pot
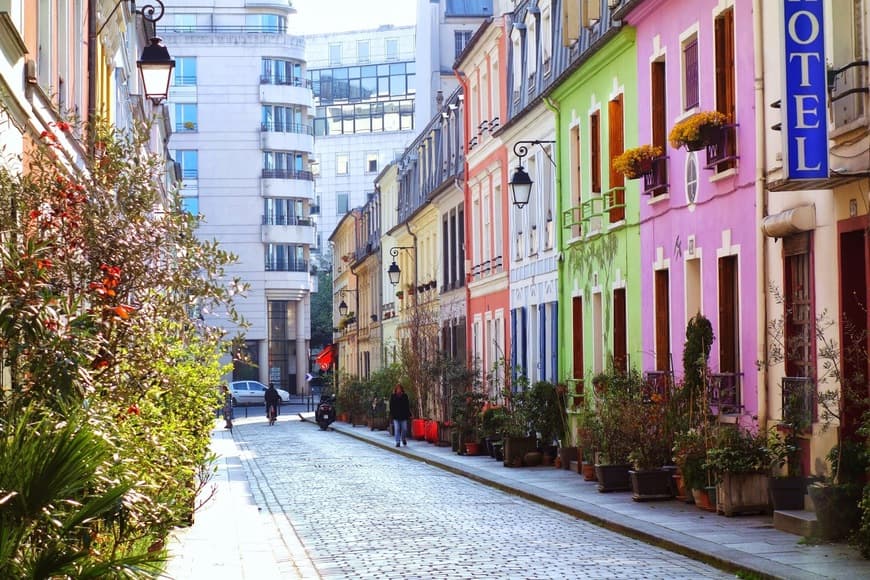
x=741, y=461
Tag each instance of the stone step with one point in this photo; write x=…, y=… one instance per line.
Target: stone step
x=800, y=522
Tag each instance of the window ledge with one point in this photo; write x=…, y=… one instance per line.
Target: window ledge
x=659, y=199
x=685, y=115
x=723, y=175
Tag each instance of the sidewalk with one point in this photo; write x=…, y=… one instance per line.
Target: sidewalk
x=742, y=543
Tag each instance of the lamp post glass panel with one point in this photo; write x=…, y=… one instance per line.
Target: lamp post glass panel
x=394, y=272
x=155, y=68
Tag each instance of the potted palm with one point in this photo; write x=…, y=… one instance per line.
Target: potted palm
x=696, y=131
x=617, y=440
x=635, y=162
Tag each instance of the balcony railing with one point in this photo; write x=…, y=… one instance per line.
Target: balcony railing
x=184, y=81
x=657, y=384
x=284, y=80
x=655, y=182
x=722, y=148
x=285, y=220
x=287, y=174
x=279, y=127
x=286, y=265
x=723, y=393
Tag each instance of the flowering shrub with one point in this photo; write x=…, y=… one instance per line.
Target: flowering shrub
x=636, y=161
x=689, y=131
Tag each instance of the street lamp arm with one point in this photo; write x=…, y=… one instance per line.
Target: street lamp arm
x=149, y=12
x=394, y=251
x=521, y=149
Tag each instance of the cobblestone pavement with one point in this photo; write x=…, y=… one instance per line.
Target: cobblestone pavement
x=362, y=512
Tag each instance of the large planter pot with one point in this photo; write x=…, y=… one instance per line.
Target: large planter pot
x=472, y=448
x=445, y=435
x=837, y=512
x=703, y=500
x=587, y=470
x=613, y=478
x=651, y=485
x=431, y=431
x=418, y=429
x=515, y=448
x=682, y=494
x=740, y=493
x=787, y=493
x=567, y=455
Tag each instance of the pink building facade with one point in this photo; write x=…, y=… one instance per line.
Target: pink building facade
x=698, y=211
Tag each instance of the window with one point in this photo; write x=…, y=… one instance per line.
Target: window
x=616, y=145
x=797, y=302
x=188, y=160
x=659, y=116
x=184, y=23
x=546, y=37
x=577, y=335
x=185, y=117
x=284, y=120
x=184, y=73
x=334, y=54
x=531, y=47
x=725, y=81
x=595, y=151
x=517, y=58
x=620, y=331
x=270, y=23
x=282, y=211
x=371, y=162
x=362, y=51
x=285, y=258
x=190, y=204
x=729, y=316
x=460, y=41
x=284, y=165
x=392, y=49
x=342, y=203
x=341, y=164
x=281, y=72
x=662, y=320
x=691, y=96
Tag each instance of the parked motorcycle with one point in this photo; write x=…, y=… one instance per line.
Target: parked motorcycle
x=324, y=414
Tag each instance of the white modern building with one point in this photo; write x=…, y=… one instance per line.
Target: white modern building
x=242, y=111
x=364, y=85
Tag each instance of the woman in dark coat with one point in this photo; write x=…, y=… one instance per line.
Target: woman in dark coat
x=400, y=413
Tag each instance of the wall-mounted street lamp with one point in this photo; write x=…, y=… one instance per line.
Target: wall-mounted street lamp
x=394, y=272
x=342, y=308
x=521, y=183
x=155, y=65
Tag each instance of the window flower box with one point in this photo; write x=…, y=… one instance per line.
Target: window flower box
x=637, y=161
x=696, y=131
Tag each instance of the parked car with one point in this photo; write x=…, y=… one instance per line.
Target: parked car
x=251, y=392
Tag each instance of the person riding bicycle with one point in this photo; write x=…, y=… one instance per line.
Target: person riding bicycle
x=273, y=402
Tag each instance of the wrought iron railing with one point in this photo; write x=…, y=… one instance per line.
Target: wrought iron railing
x=279, y=127
x=722, y=147
x=655, y=182
x=287, y=174
x=723, y=393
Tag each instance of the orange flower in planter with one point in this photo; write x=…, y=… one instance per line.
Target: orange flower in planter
x=689, y=132
x=637, y=161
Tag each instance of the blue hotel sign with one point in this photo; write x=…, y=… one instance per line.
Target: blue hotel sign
x=805, y=126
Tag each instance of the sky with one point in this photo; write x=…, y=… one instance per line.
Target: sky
x=320, y=16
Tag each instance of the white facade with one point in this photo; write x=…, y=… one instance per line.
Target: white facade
x=351, y=155
x=241, y=110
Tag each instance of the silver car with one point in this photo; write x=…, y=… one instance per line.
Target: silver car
x=252, y=392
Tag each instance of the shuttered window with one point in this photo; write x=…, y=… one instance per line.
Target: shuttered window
x=663, y=320
x=620, y=331
x=690, y=74
x=595, y=151
x=577, y=334
x=725, y=78
x=616, y=146
x=659, y=117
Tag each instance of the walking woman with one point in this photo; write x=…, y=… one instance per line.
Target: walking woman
x=400, y=413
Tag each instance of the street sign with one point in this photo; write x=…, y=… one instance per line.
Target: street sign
x=308, y=377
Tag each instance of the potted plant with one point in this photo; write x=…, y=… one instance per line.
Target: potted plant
x=637, y=161
x=696, y=131
x=613, y=405
x=787, y=489
x=741, y=460
x=517, y=440
x=466, y=415
x=547, y=415
x=689, y=454
x=653, y=440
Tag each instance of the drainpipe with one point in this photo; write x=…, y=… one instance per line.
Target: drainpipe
x=92, y=60
x=557, y=225
x=416, y=257
x=760, y=211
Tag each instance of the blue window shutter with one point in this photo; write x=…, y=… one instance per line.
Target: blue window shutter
x=514, y=344
x=542, y=341
x=524, y=359
x=554, y=338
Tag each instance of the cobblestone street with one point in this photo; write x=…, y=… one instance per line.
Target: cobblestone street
x=363, y=512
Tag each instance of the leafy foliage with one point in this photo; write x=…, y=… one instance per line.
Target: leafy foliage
x=112, y=370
